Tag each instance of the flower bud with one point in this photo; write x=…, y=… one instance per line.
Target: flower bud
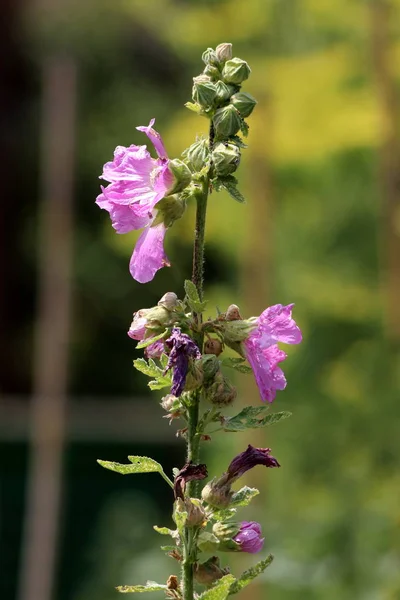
x=168, y=301
x=249, y=537
x=204, y=93
x=170, y=209
x=209, y=57
x=220, y=392
x=202, y=78
x=195, y=511
x=169, y=402
x=210, y=366
x=195, y=376
x=244, y=103
x=226, y=531
x=137, y=329
x=213, y=346
x=226, y=158
x=227, y=122
x=223, y=52
x=198, y=154
x=213, y=72
x=217, y=492
x=209, y=572
x=224, y=91
x=182, y=175
x=233, y=313
x=157, y=318
x=236, y=71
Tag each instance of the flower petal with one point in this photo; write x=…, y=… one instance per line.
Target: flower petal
x=149, y=256
x=275, y=324
x=155, y=138
x=269, y=377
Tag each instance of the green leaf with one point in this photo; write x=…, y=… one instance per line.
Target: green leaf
x=180, y=519
x=151, y=340
x=151, y=369
x=194, y=107
x=237, y=364
x=151, y=586
x=140, y=464
x=250, y=574
x=192, y=297
x=244, y=128
x=220, y=590
x=251, y=417
x=168, y=548
x=223, y=515
x=164, y=530
x=244, y=496
x=229, y=184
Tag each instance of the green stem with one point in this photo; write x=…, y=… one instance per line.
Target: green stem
x=193, y=439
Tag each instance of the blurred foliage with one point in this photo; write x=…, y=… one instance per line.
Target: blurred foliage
x=330, y=514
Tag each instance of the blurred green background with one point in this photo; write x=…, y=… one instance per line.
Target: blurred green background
x=321, y=228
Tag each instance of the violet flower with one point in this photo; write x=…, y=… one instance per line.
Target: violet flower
x=189, y=472
x=274, y=325
x=182, y=349
x=248, y=459
x=249, y=537
x=137, y=183
x=137, y=331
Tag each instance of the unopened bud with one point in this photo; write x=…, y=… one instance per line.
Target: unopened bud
x=213, y=72
x=227, y=122
x=157, y=318
x=203, y=78
x=233, y=313
x=169, y=402
x=209, y=572
x=226, y=159
x=224, y=91
x=221, y=392
x=213, y=346
x=169, y=209
x=217, y=493
x=223, y=52
x=168, y=301
x=198, y=154
x=236, y=71
x=204, y=93
x=244, y=103
x=211, y=366
x=209, y=57
x=182, y=175
x=195, y=376
x=225, y=531
x=195, y=512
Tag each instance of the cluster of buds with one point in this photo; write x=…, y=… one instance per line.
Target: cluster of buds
x=217, y=95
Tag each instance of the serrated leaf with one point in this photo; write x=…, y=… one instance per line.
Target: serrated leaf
x=151, y=586
x=151, y=369
x=224, y=514
x=151, y=340
x=237, y=364
x=220, y=590
x=229, y=184
x=244, y=496
x=250, y=574
x=192, y=297
x=251, y=417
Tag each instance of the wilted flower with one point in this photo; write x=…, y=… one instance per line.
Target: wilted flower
x=249, y=537
x=137, y=183
x=209, y=571
x=182, y=349
x=274, y=325
x=189, y=472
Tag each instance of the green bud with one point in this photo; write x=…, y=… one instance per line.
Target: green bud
x=244, y=103
x=204, y=93
x=223, y=52
x=225, y=531
x=209, y=57
x=195, y=376
x=209, y=572
x=201, y=78
x=168, y=301
x=198, y=154
x=224, y=91
x=211, y=365
x=195, y=511
x=220, y=392
x=217, y=492
x=181, y=173
x=213, y=346
x=236, y=71
x=170, y=209
x=169, y=402
x=213, y=72
x=226, y=158
x=233, y=313
x=157, y=319
x=227, y=122
x=238, y=331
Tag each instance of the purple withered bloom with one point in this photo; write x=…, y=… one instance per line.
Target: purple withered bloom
x=182, y=349
x=137, y=183
x=189, y=472
x=274, y=325
x=249, y=537
x=248, y=459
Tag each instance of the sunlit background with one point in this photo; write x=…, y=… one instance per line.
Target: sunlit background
x=321, y=228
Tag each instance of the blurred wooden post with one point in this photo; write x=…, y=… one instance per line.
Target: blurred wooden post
x=381, y=13
x=42, y=513
x=256, y=279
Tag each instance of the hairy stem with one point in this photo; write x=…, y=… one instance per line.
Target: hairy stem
x=193, y=439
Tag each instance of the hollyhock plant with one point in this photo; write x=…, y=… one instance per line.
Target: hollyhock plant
x=249, y=537
x=274, y=325
x=137, y=183
x=182, y=348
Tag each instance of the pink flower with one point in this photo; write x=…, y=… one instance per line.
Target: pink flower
x=137, y=183
x=249, y=537
x=137, y=331
x=274, y=325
